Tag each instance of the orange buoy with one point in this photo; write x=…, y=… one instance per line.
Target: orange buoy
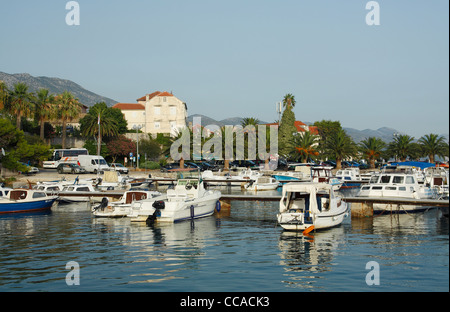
x=309, y=229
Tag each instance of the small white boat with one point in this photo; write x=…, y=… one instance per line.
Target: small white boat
x=26, y=200
x=262, y=184
x=397, y=185
x=70, y=193
x=310, y=206
x=188, y=200
x=300, y=174
x=122, y=207
x=324, y=174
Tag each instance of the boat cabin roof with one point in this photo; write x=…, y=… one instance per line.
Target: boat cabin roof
x=306, y=187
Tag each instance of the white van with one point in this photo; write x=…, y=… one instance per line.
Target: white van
x=93, y=163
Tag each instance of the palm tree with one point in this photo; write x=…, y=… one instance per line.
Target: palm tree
x=402, y=146
x=340, y=146
x=44, y=110
x=305, y=145
x=4, y=95
x=432, y=145
x=20, y=103
x=249, y=121
x=68, y=109
x=372, y=148
x=98, y=115
x=289, y=101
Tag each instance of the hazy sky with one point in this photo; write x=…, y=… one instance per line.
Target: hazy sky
x=238, y=58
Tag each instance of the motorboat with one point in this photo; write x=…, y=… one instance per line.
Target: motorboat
x=306, y=206
x=350, y=177
x=262, y=184
x=324, y=174
x=300, y=173
x=438, y=179
x=397, y=184
x=70, y=193
x=215, y=180
x=26, y=200
x=122, y=207
x=188, y=200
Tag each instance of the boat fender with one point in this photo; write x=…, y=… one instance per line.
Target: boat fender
x=159, y=204
x=218, y=206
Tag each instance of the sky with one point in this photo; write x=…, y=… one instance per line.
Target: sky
x=239, y=58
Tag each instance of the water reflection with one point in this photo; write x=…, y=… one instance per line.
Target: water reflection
x=305, y=258
x=161, y=252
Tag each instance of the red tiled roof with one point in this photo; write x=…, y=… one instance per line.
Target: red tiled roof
x=152, y=95
x=299, y=126
x=124, y=106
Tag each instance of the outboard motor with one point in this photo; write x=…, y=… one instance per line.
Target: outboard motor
x=159, y=204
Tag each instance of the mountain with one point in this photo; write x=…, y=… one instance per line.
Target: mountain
x=57, y=86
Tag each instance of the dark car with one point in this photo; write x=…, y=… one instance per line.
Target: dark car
x=69, y=168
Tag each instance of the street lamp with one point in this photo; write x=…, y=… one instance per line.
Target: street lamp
x=137, y=128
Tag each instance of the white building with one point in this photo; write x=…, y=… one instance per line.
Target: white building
x=158, y=112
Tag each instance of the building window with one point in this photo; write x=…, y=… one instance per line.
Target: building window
x=157, y=125
x=173, y=110
x=173, y=124
x=157, y=110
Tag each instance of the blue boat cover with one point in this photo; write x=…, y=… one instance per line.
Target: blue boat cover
x=418, y=164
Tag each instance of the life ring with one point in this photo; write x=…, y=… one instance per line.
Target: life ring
x=218, y=206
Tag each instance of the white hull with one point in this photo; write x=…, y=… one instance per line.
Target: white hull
x=295, y=221
x=310, y=204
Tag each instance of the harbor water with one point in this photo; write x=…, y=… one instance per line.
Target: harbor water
x=240, y=250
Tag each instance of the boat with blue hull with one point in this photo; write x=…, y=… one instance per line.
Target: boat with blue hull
x=26, y=200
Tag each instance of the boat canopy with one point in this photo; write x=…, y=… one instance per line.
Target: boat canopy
x=309, y=190
x=418, y=164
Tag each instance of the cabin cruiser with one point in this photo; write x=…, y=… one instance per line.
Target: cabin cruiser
x=397, y=184
x=70, y=193
x=122, y=207
x=310, y=206
x=188, y=200
x=26, y=200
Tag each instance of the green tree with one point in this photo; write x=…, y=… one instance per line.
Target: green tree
x=289, y=101
x=286, y=131
x=340, y=146
x=17, y=149
x=401, y=147
x=249, y=121
x=4, y=95
x=44, y=109
x=304, y=145
x=89, y=124
x=20, y=103
x=326, y=128
x=68, y=109
x=432, y=145
x=372, y=149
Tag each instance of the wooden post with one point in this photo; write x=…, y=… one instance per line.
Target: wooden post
x=364, y=209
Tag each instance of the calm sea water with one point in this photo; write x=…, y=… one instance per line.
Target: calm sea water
x=242, y=250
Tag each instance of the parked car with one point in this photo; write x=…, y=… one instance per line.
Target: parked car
x=69, y=168
x=31, y=169
x=118, y=167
